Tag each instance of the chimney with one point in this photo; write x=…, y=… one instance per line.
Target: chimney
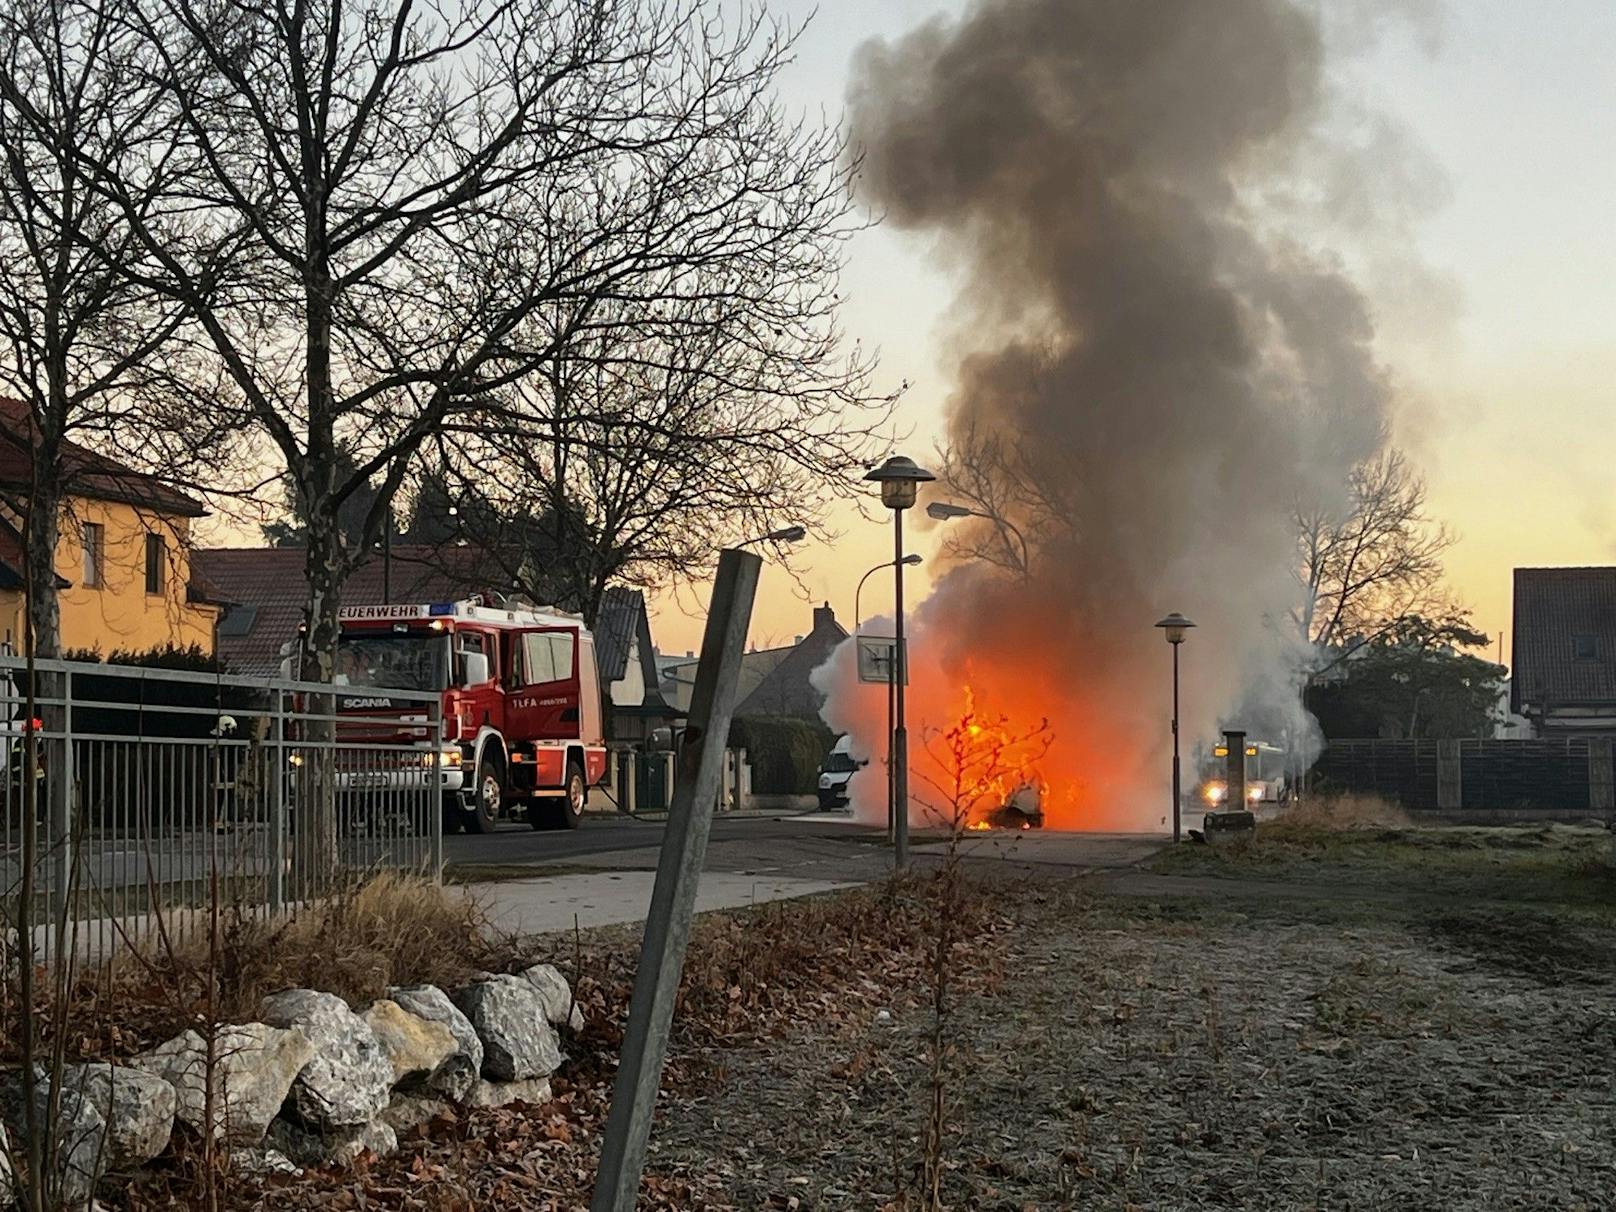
x=824, y=617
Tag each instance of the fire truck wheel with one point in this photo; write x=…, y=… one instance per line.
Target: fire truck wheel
x=561, y=812
x=490, y=792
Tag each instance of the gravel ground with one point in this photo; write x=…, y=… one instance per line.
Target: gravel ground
x=1204, y=1051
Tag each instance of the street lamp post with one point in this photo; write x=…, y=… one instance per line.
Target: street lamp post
x=947, y=511
x=788, y=534
x=900, y=479
x=1174, y=626
x=892, y=817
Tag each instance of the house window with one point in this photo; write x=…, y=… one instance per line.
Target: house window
x=1585, y=647
x=95, y=546
x=154, y=563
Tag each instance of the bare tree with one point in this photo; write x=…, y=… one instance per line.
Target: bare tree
x=1367, y=568
x=1015, y=504
x=380, y=209
x=82, y=347
x=665, y=427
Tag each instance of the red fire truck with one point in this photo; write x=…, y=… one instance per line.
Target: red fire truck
x=521, y=702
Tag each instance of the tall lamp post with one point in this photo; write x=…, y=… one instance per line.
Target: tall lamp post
x=900, y=479
x=1174, y=626
x=947, y=511
x=911, y=560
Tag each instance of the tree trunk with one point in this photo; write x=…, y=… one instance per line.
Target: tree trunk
x=315, y=854
x=41, y=533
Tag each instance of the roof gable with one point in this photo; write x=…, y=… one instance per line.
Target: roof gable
x=1564, y=637
x=85, y=473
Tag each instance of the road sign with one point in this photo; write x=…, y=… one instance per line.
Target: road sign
x=875, y=657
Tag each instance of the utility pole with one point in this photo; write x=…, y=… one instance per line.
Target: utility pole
x=684, y=847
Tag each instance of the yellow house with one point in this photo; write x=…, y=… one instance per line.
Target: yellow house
x=123, y=560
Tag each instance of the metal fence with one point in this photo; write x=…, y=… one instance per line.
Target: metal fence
x=156, y=798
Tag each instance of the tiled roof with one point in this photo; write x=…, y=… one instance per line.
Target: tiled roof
x=1556, y=611
x=85, y=473
x=785, y=688
x=271, y=581
x=12, y=573
x=616, y=625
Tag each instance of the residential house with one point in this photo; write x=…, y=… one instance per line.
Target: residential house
x=1564, y=649
x=124, y=566
x=628, y=668
x=266, y=593
x=783, y=687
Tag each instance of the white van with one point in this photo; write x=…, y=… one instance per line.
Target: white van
x=836, y=772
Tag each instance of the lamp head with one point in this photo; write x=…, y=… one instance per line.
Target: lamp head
x=1175, y=625
x=900, y=479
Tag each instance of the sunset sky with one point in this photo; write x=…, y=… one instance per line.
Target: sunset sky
x=1503, y=334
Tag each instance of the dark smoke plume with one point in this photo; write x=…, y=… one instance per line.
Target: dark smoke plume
x=1158, y=371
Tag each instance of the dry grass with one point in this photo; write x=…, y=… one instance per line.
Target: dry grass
x=392, y=929
x=388, y=929
x=1338, y=813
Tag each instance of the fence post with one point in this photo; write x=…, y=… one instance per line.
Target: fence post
x=277, y=776
x=1449, y=778
x=673, y=898
x=60, y=782
x=1601, y=785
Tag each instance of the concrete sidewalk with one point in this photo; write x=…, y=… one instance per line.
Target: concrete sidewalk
x=608, y=898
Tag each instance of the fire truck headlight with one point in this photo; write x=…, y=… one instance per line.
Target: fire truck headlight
x=1214, y=792
x=449, y=758
x=1253, y=795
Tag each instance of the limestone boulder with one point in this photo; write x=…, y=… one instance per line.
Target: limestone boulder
x=138, y=1108
x=509, y=1016
x=253, y=1066
x=414, y=1046
x=463, y=1067
x=559, y=1007
x=534, y=1090
x=348, y=1079
x=307, y=1146
x=409, y=1111
x=79, y=1138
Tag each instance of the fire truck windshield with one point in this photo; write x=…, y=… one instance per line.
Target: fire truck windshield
x=392, y=661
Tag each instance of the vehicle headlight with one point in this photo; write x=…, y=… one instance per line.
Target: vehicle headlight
x=1214, y=792
x=824, y=780
x=1253, y=794
x=444, y=757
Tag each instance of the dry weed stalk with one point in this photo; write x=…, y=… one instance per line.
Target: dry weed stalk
x=983, y=761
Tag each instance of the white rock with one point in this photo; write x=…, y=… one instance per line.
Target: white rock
x=415, y=1046
x=262, y=1161
x=509, y=1015
x=347, y=1082
x=335, y=1146
x=408, y=1111
x=456, y=1074
x=138, y=1107
x=484, y=1093
x=557, y=994
x=79, y=1134
x=254, y=1066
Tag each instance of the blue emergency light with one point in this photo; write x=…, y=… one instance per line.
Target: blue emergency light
x=440, y=608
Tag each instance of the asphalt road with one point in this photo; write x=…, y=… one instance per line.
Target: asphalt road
x=812, y=848
x=806, y=847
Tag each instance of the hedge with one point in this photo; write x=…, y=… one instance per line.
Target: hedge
x=786, y=752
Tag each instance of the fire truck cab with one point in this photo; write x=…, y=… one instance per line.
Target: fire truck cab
x=521, y=702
